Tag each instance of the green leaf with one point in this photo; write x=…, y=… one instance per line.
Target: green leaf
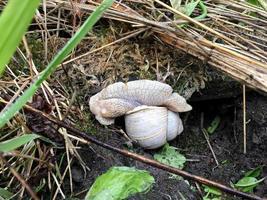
x=247, y=184
x=176, y=4
x=212, y=190
x=258, y=3
x=16, y=142
x=8, y=113
x=214, y=125
x=248, y=181
x=204, y=11
x=49, y=141
x=248, y=189
x=5, y=194
x=171, y=157
x=254, y=172
x=14, y=21
x=215, y=198
x=254, y=2
x=190, y=7
x=119, y=183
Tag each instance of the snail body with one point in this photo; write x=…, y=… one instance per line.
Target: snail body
x=119, y=98
x=150, y=109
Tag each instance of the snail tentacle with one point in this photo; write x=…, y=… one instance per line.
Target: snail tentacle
x=107, y=110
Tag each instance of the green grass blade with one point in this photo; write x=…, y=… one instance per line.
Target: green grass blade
x=204, y=11
x=14, y=21
x=176, y=4
x=8, y=113
x=5, y=194
x=190, y=7
x=16, y=142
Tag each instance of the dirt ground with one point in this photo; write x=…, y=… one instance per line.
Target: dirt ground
x=226, y=142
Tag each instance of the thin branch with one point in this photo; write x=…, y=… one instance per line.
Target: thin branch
x=244, y=121
x=156, y=164
x=211, y=149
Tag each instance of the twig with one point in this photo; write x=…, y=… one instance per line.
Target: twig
x=244, y=120
x=143, y=159
x=211, y=149
x=18, y=154
x=60, y=183
x=58, y=186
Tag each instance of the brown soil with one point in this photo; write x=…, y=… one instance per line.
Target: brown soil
x=226, y=143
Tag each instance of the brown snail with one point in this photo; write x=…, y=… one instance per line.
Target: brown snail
x=150, y=109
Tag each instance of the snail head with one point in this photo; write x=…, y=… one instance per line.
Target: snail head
x=177, y=103
x=102, y=111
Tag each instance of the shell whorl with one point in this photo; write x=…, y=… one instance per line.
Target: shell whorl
x=152, y=126
x=119, y=98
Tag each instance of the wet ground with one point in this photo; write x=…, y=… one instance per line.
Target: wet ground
x=226, y=142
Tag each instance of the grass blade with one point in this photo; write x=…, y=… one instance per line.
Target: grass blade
x=14, y=21
x=8, y=113
x=5, y=194
x=14, y=143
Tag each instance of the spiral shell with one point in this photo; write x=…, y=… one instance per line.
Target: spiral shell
x=151, y=126
x=175, y=125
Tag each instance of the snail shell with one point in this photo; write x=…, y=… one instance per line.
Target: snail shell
x=150, y=108
x=119, y=98
x=175, y=125
x=151, y=126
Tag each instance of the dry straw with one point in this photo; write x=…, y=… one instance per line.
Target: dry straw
x=232, y=37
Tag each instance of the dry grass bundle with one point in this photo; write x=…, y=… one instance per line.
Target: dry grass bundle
x=232, y=37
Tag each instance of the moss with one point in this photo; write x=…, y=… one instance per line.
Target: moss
x=87, y=124
x=18, y=64
x=144, y=74
x=37, y=49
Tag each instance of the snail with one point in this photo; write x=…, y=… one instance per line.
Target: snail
x=150, y=109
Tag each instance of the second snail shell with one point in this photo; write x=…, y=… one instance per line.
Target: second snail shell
x=152, y=126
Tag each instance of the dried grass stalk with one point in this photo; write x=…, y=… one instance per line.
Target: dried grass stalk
x=230, y=38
